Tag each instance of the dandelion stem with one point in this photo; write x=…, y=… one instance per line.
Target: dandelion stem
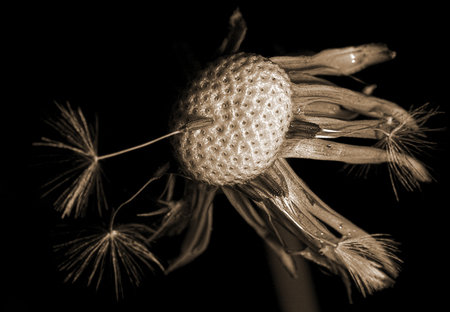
x=126, y=202
x=139, y=146
x=192, y=125
x=162, y=170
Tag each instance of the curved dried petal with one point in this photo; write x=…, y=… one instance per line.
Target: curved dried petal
x=342, y=61
x=306, y=94
x=301, y=77
x=334, y=151
x=324, y=109
x=406, y=167
x=236, y=34
x=335, y=128
x=200, y=224
x=247, y=211
x=370, y=260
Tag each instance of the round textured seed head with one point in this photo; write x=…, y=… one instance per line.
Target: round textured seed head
x=249, y=99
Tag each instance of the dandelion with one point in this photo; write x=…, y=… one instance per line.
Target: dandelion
x=231, y=131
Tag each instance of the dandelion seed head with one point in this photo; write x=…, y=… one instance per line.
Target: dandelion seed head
x=257, y=125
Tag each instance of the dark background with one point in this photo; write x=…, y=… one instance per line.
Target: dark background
x=124, y=64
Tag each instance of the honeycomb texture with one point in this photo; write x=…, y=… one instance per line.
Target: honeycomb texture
x=249, y=99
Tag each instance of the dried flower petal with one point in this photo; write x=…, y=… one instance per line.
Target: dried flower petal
x=200, y=225
x=342, y=61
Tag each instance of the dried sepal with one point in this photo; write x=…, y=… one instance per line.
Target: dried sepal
x=403, y=167
x=331, y=266
x=369, y=259
x=301, y=77
x=157, y=175
x=341, y=61
x=300, y=129
x=266, y=230
x=330, y=110
x=236, y=34
x=174, y=215
x=333, y=151
x=370, y=106
x=336, y=128
x=198, y=232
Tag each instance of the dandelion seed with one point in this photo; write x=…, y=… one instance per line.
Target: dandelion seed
x=85, y=175
x=408, y=138
x=371, y=261
x=402, y=142
x=84, y=178
x=123, y=249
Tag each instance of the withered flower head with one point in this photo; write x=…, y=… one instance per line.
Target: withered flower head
x=232, y=129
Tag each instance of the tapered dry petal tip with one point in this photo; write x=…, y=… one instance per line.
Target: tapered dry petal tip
x=350, y=60
x=418, y=170
x=371, y=54
x=393, y=54
x=236, y=17
x=236, y=34
x=379, y=50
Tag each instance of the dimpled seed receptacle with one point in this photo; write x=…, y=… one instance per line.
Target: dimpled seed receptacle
x=249, y=99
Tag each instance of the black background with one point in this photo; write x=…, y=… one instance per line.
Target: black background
x=123, y=64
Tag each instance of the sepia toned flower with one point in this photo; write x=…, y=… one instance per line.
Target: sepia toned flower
x=232, y=131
